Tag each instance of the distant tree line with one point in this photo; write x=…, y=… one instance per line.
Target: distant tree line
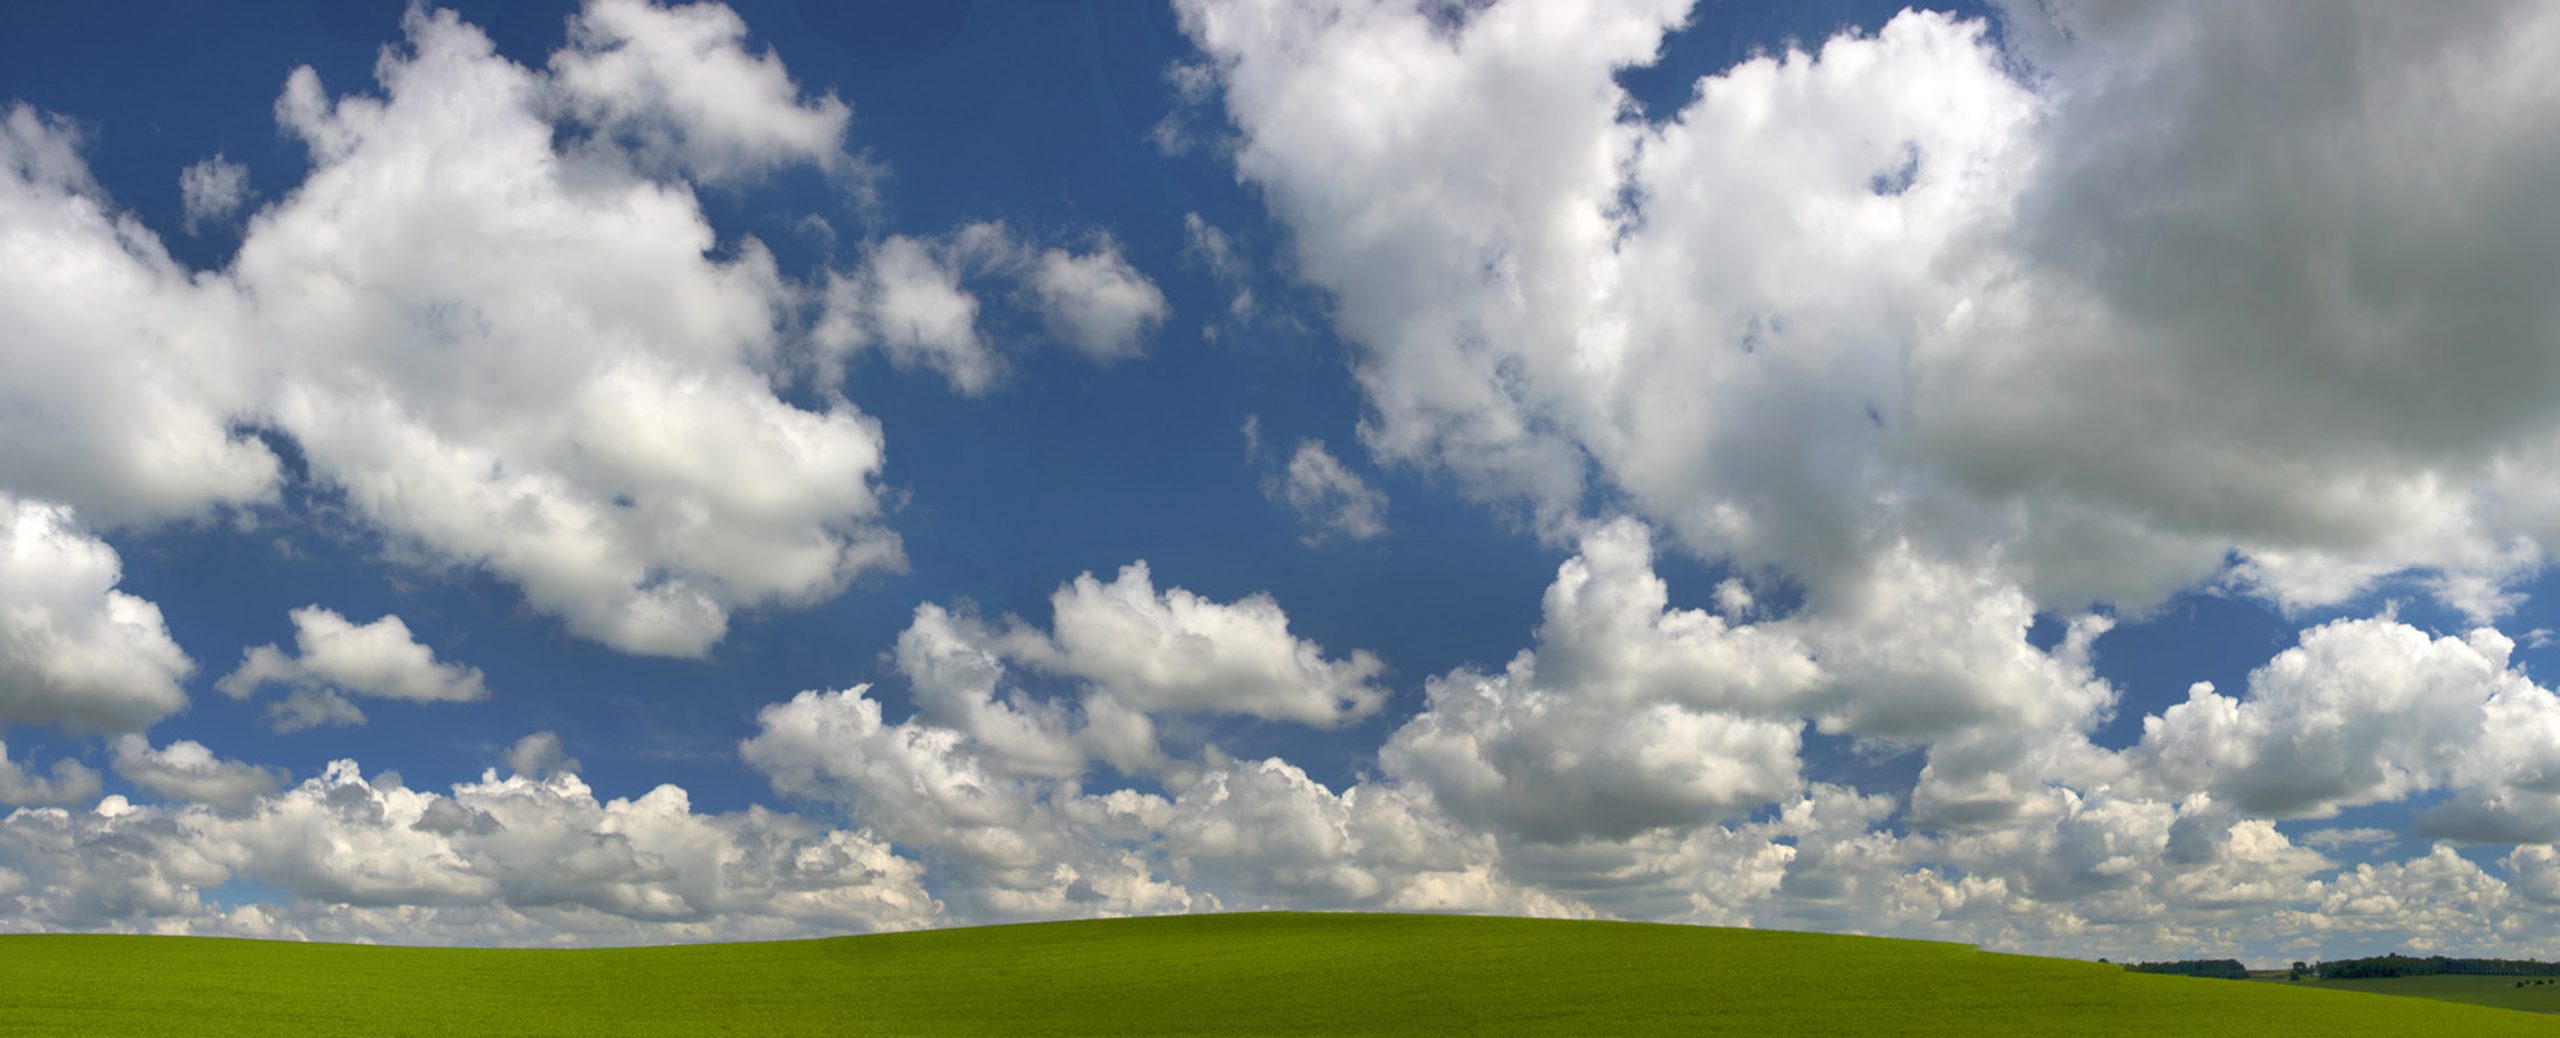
x=2396, y=965
x=2392, y=965
x=2227, y=969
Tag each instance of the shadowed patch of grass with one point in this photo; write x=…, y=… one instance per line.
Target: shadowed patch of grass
x=1253, y=973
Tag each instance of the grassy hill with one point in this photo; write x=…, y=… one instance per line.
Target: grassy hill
x=2476, y=990
x=1398, y=974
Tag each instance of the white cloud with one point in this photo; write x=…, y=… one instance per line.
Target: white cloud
x=2370, y=711
x=2062, y=312
x=313, y=707
x=678, y=85
x=71, y=783
x=494, y=316
x=2537, y=871
x=1233, y=834
x=636, y=476
x=1006, y=848
x=1176, y=651
x=1628, y=717
x=335, y=659
x=1097, y=302
x=956, y=668
x=1210, y=247
x=538, y=755
x=2440, y=904
x=986, y=783
x=1947, y=338
x=212, y=190
x=1207, y=246
x=907, y=301
x=1553, y=768
x=85, y=869
x=74, y=651
x=122, y=374
x=911, y=298
x=1640, y=760
x=1328, y=496
x=2338, y=839
x=498, y=861
x=383, y=316
x=1287, y=838
x=1921, y=652
x=186, y=770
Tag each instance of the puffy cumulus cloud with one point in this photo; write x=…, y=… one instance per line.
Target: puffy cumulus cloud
x=1002, y=843
x=1176, y=651
x=2537, y=871
x=1929, y=653
x=1526, y=272
x=335, y=658
x=1325, y=493
x=86, y=869
x=2337, y=839
x=1929, y=650
x=906, y=301
x=1639, y=760
x=1609, y=631
x=2062, y=312
x=508, y=349
x=916, y=301
x=987, y=783
x=538, y=755
x=2255, y=202
x=1948, y=328
x=2439, y=903
x=2099, y=874
x=212, y=190
x=316, y=706
x=495, y=318
x=2371, y=711
x=956, y=669
x=2103, y=858
x=1002, y=847
x=1267, y=835
x=123, y=374
x=2171, y=846
x=679, y=87
x=1518, y=320
x=70, y=783
x=1501, y=752
x=637, y=474
x=517, y=860
x=1097, y=302
x=187, y=770
x=74, y=651
x=1283, y=836
x=1628, y=716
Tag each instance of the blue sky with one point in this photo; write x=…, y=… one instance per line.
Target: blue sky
x=1886, y=349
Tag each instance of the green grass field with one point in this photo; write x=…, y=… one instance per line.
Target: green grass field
x=1261, y=973
x=2501, y=992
